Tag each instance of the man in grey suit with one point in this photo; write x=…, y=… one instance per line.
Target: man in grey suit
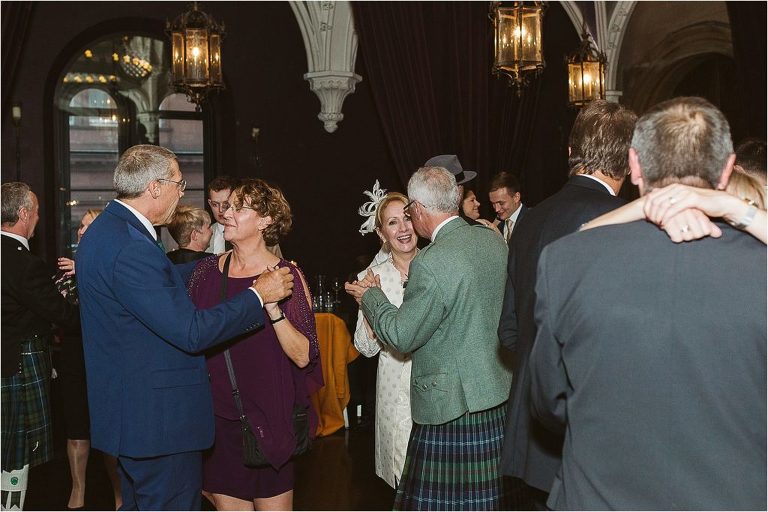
x=448, y=321
x=657, y=350
x=598, y=158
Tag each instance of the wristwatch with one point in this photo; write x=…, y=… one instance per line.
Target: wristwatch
x=748, y=217
x=278, y=319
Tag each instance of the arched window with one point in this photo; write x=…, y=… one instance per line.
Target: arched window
x=113, y=94
x=93, y=132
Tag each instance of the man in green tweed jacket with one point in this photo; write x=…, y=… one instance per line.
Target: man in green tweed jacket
x=448, y=320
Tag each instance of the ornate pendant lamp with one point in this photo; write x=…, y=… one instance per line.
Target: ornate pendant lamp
x=518, y=43
x=586, y=73
x=196, y=54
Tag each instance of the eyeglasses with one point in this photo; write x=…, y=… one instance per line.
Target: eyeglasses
x=181, y=184
x=219, y=206
x=237, y=209
x=406, y=207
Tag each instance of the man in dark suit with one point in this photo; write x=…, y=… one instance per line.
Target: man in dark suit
x=657, y=350
x=30, y=304
x=599, y=145
x=147, y=388
x=506, y=201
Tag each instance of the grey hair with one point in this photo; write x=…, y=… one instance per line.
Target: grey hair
x=435, y=188
x=684, y=137
x=140, y=165
x=15, y=196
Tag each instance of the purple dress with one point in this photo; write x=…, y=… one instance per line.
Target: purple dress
x=269, y=382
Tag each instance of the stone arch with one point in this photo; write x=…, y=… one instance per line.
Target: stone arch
x=674, y=56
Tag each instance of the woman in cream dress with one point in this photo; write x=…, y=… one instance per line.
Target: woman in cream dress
x=393, y=404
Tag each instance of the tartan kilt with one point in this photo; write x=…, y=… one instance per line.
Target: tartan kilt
x=456, y=465
x=27, y=437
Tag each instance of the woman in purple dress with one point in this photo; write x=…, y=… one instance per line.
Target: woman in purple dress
x=275, y=367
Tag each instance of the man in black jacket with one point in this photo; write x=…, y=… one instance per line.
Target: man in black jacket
x=30, y=304
x=599, y=146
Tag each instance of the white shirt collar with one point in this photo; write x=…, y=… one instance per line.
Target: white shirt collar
x=439, y=226
x=20, y=238
x=608, y=188
x=141, y=218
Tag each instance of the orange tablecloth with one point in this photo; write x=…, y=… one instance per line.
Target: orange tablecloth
x=336, y=351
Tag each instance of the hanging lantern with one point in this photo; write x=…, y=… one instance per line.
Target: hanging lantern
x=195, y=54
x=586, y=73
x=518, y=43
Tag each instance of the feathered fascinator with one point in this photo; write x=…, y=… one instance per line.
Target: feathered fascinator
x=369, y=209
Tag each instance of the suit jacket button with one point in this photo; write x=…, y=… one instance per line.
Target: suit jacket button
x=434, y=384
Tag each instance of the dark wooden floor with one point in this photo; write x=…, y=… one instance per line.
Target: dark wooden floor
x=338, y=474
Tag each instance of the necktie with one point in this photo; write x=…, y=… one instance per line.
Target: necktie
x=160, y=245
x=508, y=231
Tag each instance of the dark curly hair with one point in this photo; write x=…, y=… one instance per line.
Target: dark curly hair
x=268, y=201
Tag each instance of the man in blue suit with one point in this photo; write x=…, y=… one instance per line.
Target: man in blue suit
x=148, y=388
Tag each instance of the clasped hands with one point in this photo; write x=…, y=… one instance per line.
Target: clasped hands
x=274, y=285
x=683, y=211
x=357, y=288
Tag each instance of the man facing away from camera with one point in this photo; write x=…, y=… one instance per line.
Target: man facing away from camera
x=656, y=349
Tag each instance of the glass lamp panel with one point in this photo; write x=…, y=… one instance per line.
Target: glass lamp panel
x=216, y=77
x=591, y=80
x=574, y=82
x=507, y=39
x=530, y=40
x=197, y=55
x=177, y=55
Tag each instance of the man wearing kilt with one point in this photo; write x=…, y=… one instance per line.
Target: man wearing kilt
x=30, y=304
x=448, y=320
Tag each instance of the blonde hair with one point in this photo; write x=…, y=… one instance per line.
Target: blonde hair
x=389, y=198
x=93, y=212
x=746, y=186
x=185, y=220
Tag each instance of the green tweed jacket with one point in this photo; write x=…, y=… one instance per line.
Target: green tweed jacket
x=448, y=320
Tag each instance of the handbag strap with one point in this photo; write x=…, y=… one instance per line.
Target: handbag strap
x=227, y=357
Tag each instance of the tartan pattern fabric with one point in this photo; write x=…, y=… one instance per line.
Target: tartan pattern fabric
x=455, y=465
x=27, y=437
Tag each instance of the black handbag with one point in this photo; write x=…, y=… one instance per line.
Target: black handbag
x=252, y=455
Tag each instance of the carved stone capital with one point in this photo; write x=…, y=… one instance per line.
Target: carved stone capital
x=331, y=43
x=613, y=95
x=151, y=122
x=332, y=87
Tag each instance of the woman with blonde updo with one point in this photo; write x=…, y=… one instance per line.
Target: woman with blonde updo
x=393, y=403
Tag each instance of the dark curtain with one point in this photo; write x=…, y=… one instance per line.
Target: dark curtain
x=419, y=57
x=429, y=69
x=16, y=17
x=748, y=33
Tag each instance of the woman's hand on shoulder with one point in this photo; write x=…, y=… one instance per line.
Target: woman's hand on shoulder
x=491, y=225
